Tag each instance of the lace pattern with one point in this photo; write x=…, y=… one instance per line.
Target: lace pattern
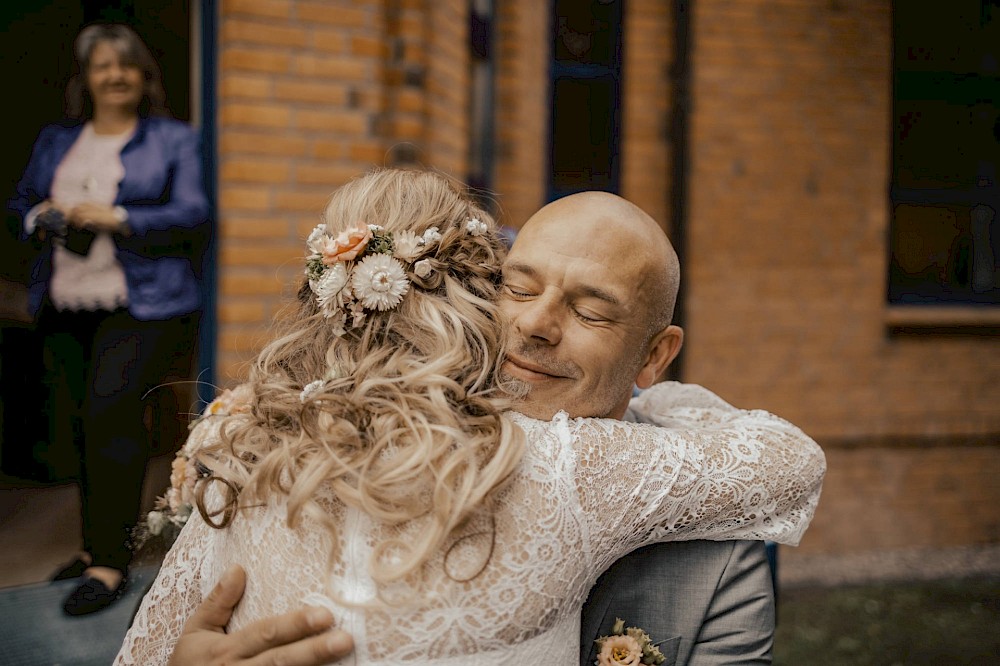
x=587, y=492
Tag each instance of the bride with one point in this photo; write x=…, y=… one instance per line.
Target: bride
x=380, y=470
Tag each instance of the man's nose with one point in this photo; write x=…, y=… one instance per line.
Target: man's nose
x=539, y=320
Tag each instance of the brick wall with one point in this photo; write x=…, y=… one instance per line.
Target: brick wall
x=312, y=94
x=522, y=113
x=448, y=86
x=645, y=153
x=787, y=226
x=786, y=273
x=894, y=499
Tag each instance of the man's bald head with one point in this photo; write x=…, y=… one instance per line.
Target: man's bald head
x=623, y=235
x=589, y=288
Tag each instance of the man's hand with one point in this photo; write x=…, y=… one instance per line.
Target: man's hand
x=300, y=638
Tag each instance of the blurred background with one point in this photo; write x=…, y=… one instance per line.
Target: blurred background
x=826, y=169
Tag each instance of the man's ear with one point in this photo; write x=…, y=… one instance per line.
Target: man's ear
x=663, y=349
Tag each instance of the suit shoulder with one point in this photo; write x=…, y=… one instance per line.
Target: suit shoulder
x=673, y=395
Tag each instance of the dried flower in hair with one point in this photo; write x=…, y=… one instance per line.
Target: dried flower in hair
x=379, y=281
x=422, y=268
x=432, y=235
x=408, y=245
x=347, y=245
x=476, y=227
x=338, y=323
x=329, y=289
x=315, y=242
x=311, y=389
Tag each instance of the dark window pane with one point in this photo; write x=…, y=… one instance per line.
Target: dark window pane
x=943, y=254
x=586, y=31
x=582, y=135
x=943, y=144
x=946, y=147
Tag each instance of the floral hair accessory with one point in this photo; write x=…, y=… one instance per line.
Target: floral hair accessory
x=432, y=235
x=311, y=389
x=476, y=227
x=365, y=268
x=380, y=282
x=627, y=647
x=348, y=245
x=422, y=268
x=362, y=269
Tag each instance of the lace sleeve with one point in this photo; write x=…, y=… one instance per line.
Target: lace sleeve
x=713, y=472
x=175, y=594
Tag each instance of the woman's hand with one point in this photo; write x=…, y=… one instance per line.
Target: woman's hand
x=41, y=210
x=96, y=217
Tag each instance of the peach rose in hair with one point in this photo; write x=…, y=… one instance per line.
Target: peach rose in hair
x=347, y=245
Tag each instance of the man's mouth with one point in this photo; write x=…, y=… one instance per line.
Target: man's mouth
x=528, y=371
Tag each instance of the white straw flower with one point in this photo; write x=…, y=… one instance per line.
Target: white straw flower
x=432, y=235
x=408, y=245
x=422, y=268
x=475, y=227
x=310, y=389
x=315, y=240
x=329, y=287
x=155, y=522
x=380, y=282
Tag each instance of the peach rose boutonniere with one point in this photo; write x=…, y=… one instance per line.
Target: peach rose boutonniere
x=627, y=647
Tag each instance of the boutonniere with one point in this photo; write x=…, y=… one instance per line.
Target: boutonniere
x=627, y=647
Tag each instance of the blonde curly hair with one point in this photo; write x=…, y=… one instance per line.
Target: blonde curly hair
x=408, y=424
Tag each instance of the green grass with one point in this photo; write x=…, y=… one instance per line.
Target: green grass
x=934, y=623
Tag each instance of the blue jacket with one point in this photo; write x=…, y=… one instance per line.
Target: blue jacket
x=163, y=193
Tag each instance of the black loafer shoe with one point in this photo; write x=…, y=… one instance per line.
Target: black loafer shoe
x=91, y=596
x=74, y=569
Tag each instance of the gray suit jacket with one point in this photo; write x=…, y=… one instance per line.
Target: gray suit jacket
x=710, y=602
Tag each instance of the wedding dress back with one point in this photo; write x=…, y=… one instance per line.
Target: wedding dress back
x=510, y=587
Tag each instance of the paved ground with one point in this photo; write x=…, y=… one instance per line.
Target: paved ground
x=40, y=525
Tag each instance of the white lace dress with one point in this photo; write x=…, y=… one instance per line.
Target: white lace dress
x=587, y=492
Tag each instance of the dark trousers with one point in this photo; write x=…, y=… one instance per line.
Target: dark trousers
x=99, y=367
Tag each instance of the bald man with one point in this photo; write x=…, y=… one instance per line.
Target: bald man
x=590, y=287
x=589, y=290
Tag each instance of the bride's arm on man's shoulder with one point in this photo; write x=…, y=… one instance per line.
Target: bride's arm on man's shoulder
x=177, y=626
x=706, y=470
x=176, y=591
x=171, y=600
x=672, y=403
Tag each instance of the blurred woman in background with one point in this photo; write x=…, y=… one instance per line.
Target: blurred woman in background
x=116, y=196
